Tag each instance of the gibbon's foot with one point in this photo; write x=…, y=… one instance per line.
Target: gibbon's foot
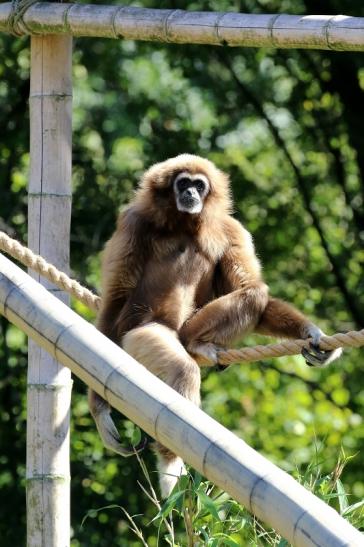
x=316, y=357
x=170, y=470
x=110, y=435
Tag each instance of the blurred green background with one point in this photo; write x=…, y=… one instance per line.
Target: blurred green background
x=287, y=125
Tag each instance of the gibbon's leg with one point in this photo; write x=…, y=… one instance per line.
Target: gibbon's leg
x=219, y=322
x=157, y=347
x=283, y=320
x=99, y=408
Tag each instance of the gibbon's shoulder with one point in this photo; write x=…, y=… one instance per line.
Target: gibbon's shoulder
x=129, y=218
x=237, y=234
x=234, y=228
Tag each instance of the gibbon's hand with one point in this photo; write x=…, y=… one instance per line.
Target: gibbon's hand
x=204, y=353
x=314, y=356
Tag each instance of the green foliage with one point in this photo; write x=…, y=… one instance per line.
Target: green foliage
x=287, y=126
x=198, y=514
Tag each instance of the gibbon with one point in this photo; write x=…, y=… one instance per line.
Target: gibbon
x=180, y=279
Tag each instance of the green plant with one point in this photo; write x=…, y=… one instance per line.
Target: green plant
x=211, y=518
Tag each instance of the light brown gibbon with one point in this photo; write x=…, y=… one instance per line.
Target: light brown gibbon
x=180, y=280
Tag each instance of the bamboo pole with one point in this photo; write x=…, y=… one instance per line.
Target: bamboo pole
x=264, y=489
x=337, y=32
x=49, y=383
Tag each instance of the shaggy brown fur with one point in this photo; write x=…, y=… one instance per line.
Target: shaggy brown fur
x=176, y=284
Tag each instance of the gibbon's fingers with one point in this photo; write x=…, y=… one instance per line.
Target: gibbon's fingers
x=204, y=353
x=207, y=353
x=111, y=438
x=320, y=358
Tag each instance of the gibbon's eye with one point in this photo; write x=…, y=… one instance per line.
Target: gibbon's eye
x=184, y=183
x=200, y=186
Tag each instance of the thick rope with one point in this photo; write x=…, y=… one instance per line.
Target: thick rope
x=24, y=255
x=352, y=339
x=50, y=272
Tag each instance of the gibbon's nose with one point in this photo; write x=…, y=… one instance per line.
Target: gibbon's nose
x=191, y=192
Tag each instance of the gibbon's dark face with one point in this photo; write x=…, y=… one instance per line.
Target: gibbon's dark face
x=190, y=191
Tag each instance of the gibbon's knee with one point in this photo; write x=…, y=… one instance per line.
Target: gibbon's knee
x=152, y=343
x=158, y=348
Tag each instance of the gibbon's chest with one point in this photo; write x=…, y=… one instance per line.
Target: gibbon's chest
x=179, y=260
x=178, y=278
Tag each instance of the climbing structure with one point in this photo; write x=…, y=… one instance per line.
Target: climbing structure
x=65, y=338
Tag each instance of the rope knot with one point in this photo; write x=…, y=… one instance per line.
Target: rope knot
x=15, y=21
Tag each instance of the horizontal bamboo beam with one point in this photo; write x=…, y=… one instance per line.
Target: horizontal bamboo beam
x=229, y=462
x=339, y=32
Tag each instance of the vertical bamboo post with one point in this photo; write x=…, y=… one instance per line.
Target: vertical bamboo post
x=49, y=383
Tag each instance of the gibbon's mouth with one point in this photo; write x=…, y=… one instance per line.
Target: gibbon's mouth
x=189, y=205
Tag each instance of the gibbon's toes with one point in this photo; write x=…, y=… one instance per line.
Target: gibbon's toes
x=315, y=357
x=138, y=448
x=131, y=450
x=127, y=451
x=111, y=438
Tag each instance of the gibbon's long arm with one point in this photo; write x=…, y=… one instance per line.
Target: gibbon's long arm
x=284, y=321
x=121, y=269
x=120, y=273
x=246, y=307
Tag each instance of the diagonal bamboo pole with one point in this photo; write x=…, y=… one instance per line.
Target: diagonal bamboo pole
x=264, y=489
x=337, y=32
x=49, y=199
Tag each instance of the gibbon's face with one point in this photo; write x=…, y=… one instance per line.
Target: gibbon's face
x=190, y=192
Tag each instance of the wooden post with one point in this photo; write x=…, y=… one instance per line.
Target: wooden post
x=49, y=383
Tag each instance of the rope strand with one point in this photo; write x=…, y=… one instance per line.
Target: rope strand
x=24, y=255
